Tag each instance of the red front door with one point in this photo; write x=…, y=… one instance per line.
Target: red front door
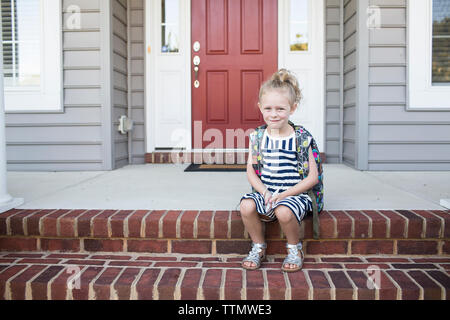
x=237, y=43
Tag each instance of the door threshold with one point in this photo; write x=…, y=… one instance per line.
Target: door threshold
x=198, y=156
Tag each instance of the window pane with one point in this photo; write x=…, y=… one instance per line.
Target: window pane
x=21, y=23
x=441, y=41
x=299, y=40
x=170, y=30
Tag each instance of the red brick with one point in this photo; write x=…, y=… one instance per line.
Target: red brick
x=102, y=284
x=49, y=223
x=360, y=278
x=200, y=259
x=39, y=284
x=18, y=244
x=86, y=278
x=189, y=285
x=361, y=224
x=16, y=222
x=67, y=256
x=84, y=223
x=39, y=261
x=111, y=257
x=222, y=265
x=275, y=247
x=204, y=221
x=372, y=247
x=307, y=227
x=417, y=247
x=237, y=226
x=255, y=285
x=327, y=227
x=299, y=285
x=273, y=230
x=152, y=224
x=410, y=291
x=446, y=247
x=344, y=289
x=96, y=245
x=85, y=262
x=4, y=217
x=433, y=224
x=415, y=224
x=175, y=264
x=446, y=216
x=187, y=224
x=123, y=284
x=365, y=266
x=156, y=258
x=341, y=259
x=390, y=259
x=442, y=278
x=235, y=246
x=170, y=224
x=379, y=224
x=414, y=266
x=33, y=222
x=221, y=224
x=135, y=223
x=25, y=255
x=129, y=264
x=320, y=284
x=191, y=246
x=431, y=291
x=211, y=284
x=277, y=285
x=149, y=246
x=59, y=287
x=326, y=247
x=397, y=222
x=145, y=284
x=166, y=286
x=67, y=225
x=387, y=290
x=118, y=221
x=344, y=224
x=310, y=266
x=18, y=283
x=61, y=245
x=100, y=223
x=233, y=284
x=6, y=274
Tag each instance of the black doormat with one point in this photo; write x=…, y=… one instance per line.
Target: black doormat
x=216, y=167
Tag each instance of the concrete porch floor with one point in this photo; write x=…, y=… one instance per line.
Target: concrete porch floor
x=168, y=187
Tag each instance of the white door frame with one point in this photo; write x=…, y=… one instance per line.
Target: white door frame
x=182, y=131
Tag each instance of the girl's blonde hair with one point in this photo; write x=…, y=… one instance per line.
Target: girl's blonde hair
x=283, y=79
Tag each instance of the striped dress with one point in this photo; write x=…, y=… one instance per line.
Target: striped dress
x=279, y=172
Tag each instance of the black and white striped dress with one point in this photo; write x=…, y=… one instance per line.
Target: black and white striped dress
x=279, y=171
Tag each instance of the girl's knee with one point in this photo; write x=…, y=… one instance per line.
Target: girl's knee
x=284, y=214
x=247, y=207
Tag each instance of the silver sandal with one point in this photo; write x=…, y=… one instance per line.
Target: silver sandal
x=253, y=256
x=293, y=258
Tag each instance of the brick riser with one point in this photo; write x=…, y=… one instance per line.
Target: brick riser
x=400, y=232
x=41, y=276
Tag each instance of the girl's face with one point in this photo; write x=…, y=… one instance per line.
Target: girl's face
x=276, y=109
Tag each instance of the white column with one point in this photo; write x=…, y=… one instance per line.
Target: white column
x=6, y=201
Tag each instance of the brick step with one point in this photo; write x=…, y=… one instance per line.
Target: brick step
x=43, y=275
x=365, y=232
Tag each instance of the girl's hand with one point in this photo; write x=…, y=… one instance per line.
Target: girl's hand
x=267, y=197
x=276, y=198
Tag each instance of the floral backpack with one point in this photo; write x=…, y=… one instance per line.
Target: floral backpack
x=304, y=140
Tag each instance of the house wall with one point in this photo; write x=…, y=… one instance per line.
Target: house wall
x=120, y=79
x=350, y=61
x=137, y=87
x=400, y=139
x=333, y=71
x=77, y=137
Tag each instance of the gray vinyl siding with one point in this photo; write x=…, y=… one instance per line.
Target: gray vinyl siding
x=120, y=80
x=73, y=139
x=137, y=80
x=349, y=151
x=333, y=81
x=400, y=139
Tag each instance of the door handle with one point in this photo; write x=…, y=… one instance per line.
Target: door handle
x=196, y=70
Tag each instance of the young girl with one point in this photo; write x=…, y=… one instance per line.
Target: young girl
x=280, y=192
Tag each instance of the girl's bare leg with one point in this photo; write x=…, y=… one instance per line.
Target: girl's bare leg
x=252, y=223
x=289, y=225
